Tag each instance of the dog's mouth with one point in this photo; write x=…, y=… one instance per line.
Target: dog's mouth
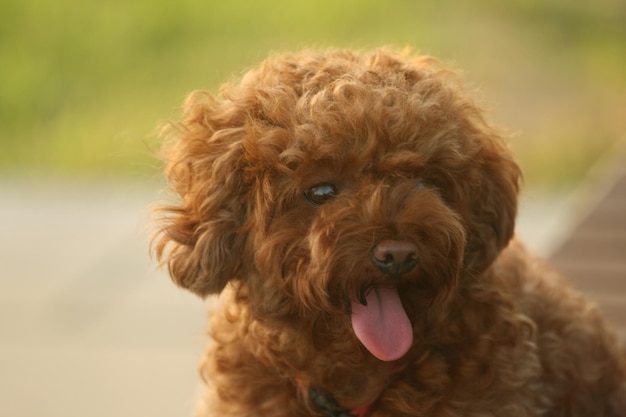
x=381, y=324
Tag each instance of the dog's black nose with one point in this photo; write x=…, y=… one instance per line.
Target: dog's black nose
x=395, y=257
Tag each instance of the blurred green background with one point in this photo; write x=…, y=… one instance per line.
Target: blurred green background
x=83, y=84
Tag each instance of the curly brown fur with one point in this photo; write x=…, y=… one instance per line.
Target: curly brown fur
x=290, y=183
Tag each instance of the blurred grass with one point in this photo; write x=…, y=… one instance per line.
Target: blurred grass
x=84, y=83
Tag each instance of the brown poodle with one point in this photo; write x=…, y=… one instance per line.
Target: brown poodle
x=356, y=213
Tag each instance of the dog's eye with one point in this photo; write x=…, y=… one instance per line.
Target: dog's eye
x=320, y=194
x=420, y=185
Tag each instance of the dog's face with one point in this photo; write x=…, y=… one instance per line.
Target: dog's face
x=360, y=187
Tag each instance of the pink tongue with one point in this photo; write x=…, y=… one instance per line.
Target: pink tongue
x=383, y=326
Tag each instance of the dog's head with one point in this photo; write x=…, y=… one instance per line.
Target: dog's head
x=338, y=183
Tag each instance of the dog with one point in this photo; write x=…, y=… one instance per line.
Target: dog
x=356, y=213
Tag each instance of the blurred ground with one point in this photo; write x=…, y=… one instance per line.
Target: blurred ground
x=88, y=327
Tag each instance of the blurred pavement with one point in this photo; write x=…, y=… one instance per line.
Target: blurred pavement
x=88, y=327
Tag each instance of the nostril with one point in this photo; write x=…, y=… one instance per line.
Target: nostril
x=384, y=258
x=395, y=257
x=382, y=254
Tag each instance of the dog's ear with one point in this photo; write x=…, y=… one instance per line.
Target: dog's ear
x=200, y=237
x=491, y=194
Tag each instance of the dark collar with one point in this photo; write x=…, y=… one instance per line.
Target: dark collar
x=328, y=405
